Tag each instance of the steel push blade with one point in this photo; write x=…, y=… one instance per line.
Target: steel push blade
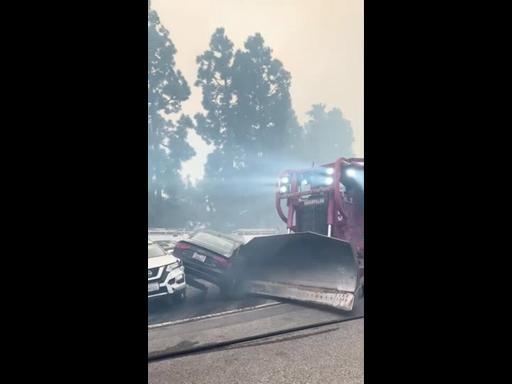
x=305, y=267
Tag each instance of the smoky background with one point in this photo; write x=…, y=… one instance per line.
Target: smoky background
x=236, y=104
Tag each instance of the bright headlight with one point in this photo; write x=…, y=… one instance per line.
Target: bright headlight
x=351, y=172
x=283, y=189
x=285, y=180
x=329, y=180
x=329, y=171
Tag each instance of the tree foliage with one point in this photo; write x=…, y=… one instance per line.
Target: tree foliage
x=250, y=120
x=167, y=145
x=327, y=135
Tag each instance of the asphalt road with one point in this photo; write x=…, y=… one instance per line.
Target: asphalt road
x=328, y=354
x=161, y=310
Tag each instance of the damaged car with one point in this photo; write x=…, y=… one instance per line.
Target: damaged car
x=206, y=256
x=166, y=274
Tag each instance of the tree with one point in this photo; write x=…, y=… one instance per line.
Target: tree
x=250, y=121
x=327, y=135
x=214, y=76
x=167, y=145
x=263, y=113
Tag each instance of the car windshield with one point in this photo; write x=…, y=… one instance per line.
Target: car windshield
x=155, y=251
x=220, y=244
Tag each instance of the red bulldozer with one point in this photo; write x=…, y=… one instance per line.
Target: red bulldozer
x=321, y=258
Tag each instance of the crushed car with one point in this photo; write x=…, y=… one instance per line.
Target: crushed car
x=206, y=256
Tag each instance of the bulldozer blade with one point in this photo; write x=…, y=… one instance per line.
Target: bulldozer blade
x=306, y=267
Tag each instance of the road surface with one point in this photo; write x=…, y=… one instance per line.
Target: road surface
x=326, y=354
x=161, y=310
x=329, y=354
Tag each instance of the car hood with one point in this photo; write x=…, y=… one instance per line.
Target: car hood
x=155, y=262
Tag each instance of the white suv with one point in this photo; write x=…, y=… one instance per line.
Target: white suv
x=166, y=274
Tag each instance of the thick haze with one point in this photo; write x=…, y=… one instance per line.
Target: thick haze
x=319, y=41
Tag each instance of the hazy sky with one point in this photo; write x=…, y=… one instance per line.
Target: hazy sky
x=320, y=42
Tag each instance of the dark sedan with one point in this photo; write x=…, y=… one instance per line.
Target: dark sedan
x=207, y=256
